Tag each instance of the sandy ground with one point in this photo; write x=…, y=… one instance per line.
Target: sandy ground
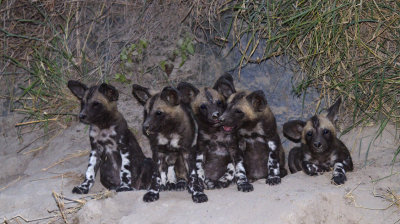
x=29, y=181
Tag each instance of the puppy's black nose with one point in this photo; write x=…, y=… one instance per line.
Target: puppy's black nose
x=215, y=115
x=146, y=128
x=317, y=144
x=82, y=116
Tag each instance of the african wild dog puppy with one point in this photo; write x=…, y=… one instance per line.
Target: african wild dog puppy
x=172, y=131
x=217, y=151
x=320, y=148
x=115, y=151
x=248, y=114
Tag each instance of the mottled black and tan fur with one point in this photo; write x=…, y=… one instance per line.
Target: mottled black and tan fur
x=217, y=151
x=320, y=149
x=249, y=115
x=172, y=131
x=115, y=151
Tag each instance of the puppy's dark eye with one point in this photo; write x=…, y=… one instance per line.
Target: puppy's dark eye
x=238, y=111
x=326, y=131
x=219, y=102
x=158, y=113
x=203, y=106
x=309, y=133
x=95, y=103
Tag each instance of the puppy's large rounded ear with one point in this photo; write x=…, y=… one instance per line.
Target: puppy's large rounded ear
x=224, y=85
x=257, y=100
x=333, y=110
x=77, y=88
x=109, y=91
x=142, y=94
x=171, y=96
x=293, y=129
x=188, y=92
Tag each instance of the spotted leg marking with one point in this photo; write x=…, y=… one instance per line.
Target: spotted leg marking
x=163, y=171
x=242, y=181
x=198, y=195
x=125, y=173
x=90, y=175
x=194, y=186
x=153, y=194
x=228, y=176
x=273, y=165
x=224, y=181
x=200, y=170
x=339, y=174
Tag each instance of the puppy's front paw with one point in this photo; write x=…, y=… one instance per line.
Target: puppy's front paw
x=171, y=186
x=199, y=197
x=124, y=188
x=311, y=169
x=245, y=187
x=339, y=179
x=80, y=190
x=151, y=196
x=273, y=180
x=222, y=184
x=163, y=187
x=210, y=185
x=181, y=185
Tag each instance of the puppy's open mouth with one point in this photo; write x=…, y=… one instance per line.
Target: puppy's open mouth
x=227, y=128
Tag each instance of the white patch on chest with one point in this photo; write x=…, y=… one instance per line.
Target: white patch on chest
x=104, y=136
x=173, y=140
x=162, y=140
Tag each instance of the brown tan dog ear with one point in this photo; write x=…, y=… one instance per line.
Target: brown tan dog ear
x=224, y=85
x=293, y=129
x=188, y=92
x=77, y=88
x=333, y=110
x=109, y=91
x=171, y=96
x=257, y=100
x=142, y=94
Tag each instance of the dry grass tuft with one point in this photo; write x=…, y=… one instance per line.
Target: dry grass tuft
x=66, y=208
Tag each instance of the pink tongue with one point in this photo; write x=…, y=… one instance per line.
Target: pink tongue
x=226, y=128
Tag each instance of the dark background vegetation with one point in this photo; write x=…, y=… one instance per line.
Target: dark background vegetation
x=349, y=49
